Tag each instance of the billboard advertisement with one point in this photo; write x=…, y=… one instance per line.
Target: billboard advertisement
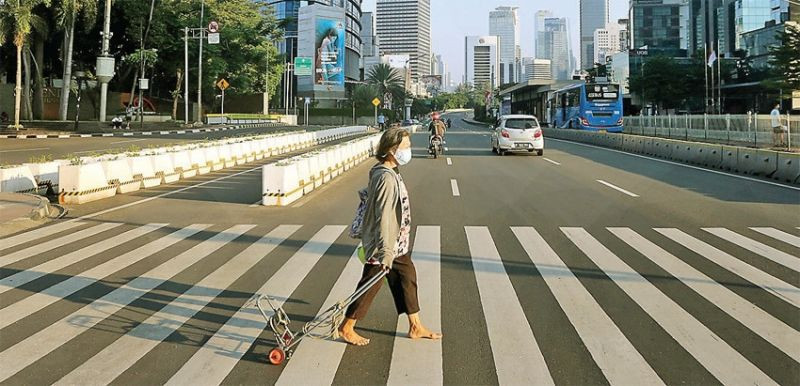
x=397, y=61
x=329, y=43
x=432, y=83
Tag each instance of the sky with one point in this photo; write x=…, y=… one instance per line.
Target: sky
x=453, y=19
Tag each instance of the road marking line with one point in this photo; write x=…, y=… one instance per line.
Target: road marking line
x=131, y=140
x=551, y=161
x=620, y=362
x=617, y=188
x=59, y=333
x=30, y=274
x=779, y=235
x=114, y=359
x=751, y=245
x=18, y=150
x=769, y=283
x=14, y=257
x=720, y=359
x=759, y=321
x=420, y=362
x=23, y=238
x=315, y=360
x=212, y=363
x=506, y=324
x=454, y=187
x=449, y=161
x=680, y=164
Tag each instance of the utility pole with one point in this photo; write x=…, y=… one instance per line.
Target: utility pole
x=200, y=67
x=186, y=75
x=105, y=63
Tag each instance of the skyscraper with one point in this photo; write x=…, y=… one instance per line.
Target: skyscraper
x=404, y=27
x=370, y=41
x=539, y=31
x=610, y=40
x=553, y=43
x=504, y=23
x=594, y=15
x=661, y=25
x=481, y=61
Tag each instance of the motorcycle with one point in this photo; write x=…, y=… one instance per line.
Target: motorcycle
x=436, y=146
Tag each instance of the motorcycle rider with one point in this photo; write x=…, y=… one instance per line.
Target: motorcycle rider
x=437, y=128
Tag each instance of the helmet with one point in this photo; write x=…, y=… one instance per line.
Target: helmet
x=435, y=116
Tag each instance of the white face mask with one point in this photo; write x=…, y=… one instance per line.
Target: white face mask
x=403, y=156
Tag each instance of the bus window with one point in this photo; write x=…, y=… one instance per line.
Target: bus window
x=609, y=92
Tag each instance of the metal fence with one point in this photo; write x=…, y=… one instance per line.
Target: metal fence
x=754, y=130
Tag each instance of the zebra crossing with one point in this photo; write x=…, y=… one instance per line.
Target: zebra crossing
x=44, y=269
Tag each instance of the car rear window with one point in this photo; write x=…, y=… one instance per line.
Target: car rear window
x=521, y=123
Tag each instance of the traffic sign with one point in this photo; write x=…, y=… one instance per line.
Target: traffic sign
x=376, y=102
x=302, y=66
x=223, y=84
x=213, y=38
x=796, y=100
x=213, y=27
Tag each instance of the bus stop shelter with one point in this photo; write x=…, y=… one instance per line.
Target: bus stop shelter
x=531, y=97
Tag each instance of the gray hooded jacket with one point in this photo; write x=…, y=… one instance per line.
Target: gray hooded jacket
x=382, y=216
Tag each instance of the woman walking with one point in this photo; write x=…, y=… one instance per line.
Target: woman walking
x=386, y=240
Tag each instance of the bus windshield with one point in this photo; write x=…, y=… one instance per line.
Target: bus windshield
x=596, y=92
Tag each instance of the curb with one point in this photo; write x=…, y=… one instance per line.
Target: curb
x=39, y=216
x=137, y=133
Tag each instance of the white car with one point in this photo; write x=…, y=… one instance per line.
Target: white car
x=518, y=133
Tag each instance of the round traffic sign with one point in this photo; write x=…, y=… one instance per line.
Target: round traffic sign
x=213, y=27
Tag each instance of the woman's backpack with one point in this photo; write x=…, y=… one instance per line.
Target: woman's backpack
x=358, y=220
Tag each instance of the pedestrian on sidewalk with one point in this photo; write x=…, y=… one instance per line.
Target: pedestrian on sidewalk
x=778, y=130
x=386, y=237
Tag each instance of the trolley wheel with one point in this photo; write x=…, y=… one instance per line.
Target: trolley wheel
x=276, y=356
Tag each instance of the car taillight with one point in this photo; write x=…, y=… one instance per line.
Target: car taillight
x=505, y=134
x=584, y=122
x=537, y=133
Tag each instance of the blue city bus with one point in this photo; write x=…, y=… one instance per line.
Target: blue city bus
x=592, y=106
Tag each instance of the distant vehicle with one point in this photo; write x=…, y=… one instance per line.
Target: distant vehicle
x=588, y=106
x=517, y=133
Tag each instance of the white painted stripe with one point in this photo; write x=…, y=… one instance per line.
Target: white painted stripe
x=617, y=188
x=508, y=328
x=59, y=333
x=114, y=359
x=86, y=136
x=60, y=262
x=779, y=235
x=680, y=164
x=551, y=161
x=64, y=136
x=147, y=133
x=38, y=233
x=18, y=150
x=127, y=134
x=107, y=135
x=41, y=136
x=780, y=257
x=614, y=354
x=316, y=361
x=720, y=359
x=164, y=133
x=454, y=187
x=34, y=250
x=759, y=321
x=130, y=140
x=38, y=301
x=449, y=161
x=769, y=283
x=419, y=362
x=215, y=360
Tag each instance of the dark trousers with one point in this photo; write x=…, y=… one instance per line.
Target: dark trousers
x=402, y=280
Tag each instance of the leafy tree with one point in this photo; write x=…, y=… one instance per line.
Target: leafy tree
x=363, y=94
x=67, y=14
x=387, y=80
x=16, y=20
x=660, y=82
x=786, y=59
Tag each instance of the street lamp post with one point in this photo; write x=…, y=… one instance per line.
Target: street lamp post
x=105, y=62
x=200, y=67
x=79, y=77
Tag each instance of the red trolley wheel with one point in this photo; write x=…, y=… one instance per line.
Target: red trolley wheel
x=276, y=356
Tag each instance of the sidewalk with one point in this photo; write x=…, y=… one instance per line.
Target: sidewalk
x=20, y=211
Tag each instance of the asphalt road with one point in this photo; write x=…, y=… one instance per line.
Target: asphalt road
x=17, y=151
x=584, y=266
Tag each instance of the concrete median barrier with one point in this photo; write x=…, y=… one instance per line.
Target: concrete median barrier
x=142, y=170
x=46, y=173
x=730, y=158
x=713, y=156
x=766, y=163
x=162, y=165
x=662, y=148
x=787, y=168
x=681, y=152
x=747, y=161
x=118, y=173
x=80, y=184
x=183, y=164
x=17, y=179
x=197, y=157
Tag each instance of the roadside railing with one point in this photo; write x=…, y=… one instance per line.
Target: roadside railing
x=752, y=130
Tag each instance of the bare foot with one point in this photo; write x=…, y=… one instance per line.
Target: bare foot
x=422, y=332
x=350, y=336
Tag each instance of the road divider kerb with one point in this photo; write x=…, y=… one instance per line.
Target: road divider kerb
x=147, y=133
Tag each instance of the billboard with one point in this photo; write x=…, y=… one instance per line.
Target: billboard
x=329, y=44
x=397, y=61
x=432, y=83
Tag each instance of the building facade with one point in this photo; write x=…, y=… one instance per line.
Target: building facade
x=504, y=23
x=404, y=27
x=539, y=29
x=661, y=26
x=481, y=61
x=593, y=16
x=608, y=41
x=370, y=44
x=538, y=69
x=555, y=46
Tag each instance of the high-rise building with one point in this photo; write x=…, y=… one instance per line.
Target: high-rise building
x=481, y=61
x=610, y=40
x=369, y=40
x=553, y=44
x=404, y=27
x=593, y=15
x=751, y=15
x=662, y=26
x=540, y=48
x=504, y=23
x=538, y=69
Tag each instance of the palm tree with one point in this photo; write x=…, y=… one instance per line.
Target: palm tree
x=68, y=13
x=387, y=80
x=363, y=94
x=15, y=19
